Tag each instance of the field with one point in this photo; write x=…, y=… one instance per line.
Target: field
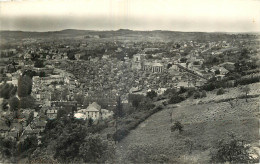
x=204, y=125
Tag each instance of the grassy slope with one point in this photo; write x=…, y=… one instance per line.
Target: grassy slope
x=205, y=124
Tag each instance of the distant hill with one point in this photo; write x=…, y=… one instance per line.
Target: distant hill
x=120, y=34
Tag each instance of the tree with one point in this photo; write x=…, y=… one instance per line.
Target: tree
x=183, y=60
x=71, y=56
x=93, y=149
x=175, y=99
x=7, y=90
x=217, y=72
x=24, y=86
x=151, y=94
x=30, y=118
x=55, y=95
x=8, y=147
x=203, y=93
x=177, y=126
x=14, y=103
x=220, y=91
x=79, y=98
x=39, y=64
x=61, y=113
x=135, y=103
x=170, y=92
x=4, y=105
x=196, y=95
x=119, y=109
x=233, y=151
x=29, y=145
x=90, y=122
x=64, y=94
x=27, y=102
x=182, y=90
x=42, y=74
x=29, y=73
x=246, y=90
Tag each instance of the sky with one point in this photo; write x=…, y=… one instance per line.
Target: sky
x=173, y=15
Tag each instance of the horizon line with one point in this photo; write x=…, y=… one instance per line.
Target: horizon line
x=107, y=30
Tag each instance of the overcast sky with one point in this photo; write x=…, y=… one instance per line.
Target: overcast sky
x=174, y=15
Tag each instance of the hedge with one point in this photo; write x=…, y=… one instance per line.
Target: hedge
x=124, y=131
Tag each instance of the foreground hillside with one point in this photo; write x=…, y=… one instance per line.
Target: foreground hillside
x=204, y=125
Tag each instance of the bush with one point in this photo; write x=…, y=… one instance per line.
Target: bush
x=190, y=92
x=175, y=99
x=220, y=91
x=39, y=64
x=196, y=95
x=137, y=118
x=94, y=149
x=232, y=151
x=7, y=90
x=14, y=103
x=182, y=90
x=120, y=134
x=151, y=94
x=177, y=126
x=203, y=94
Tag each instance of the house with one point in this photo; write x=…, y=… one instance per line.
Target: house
x=27, y=56
x=160, y=91
x=223, y=71
x=29, y=131
x=228, y=65
x=153, y=67
x=185, y=84
x=51, y=113
x=40, y=125
x=92, y=111
x=16, y=130
x=137, y=61
x=219, y=70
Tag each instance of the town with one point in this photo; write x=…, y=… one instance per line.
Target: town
x=100, y=81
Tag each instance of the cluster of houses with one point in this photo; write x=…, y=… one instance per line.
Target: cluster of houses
x=94, y=112
x=100, y=79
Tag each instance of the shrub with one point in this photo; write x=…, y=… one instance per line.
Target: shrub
x=137, y=118
x=182, y=90
x=203, y=94
x=120, y=134
x=175, y=99
x=196, y=95
x=220, y=91
x=232, y=151
x=177, y=126
x=39, y=64
x=14, y=103
x=7, y=90
x=190, y=92
x=94, y=149
x=151, y=94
